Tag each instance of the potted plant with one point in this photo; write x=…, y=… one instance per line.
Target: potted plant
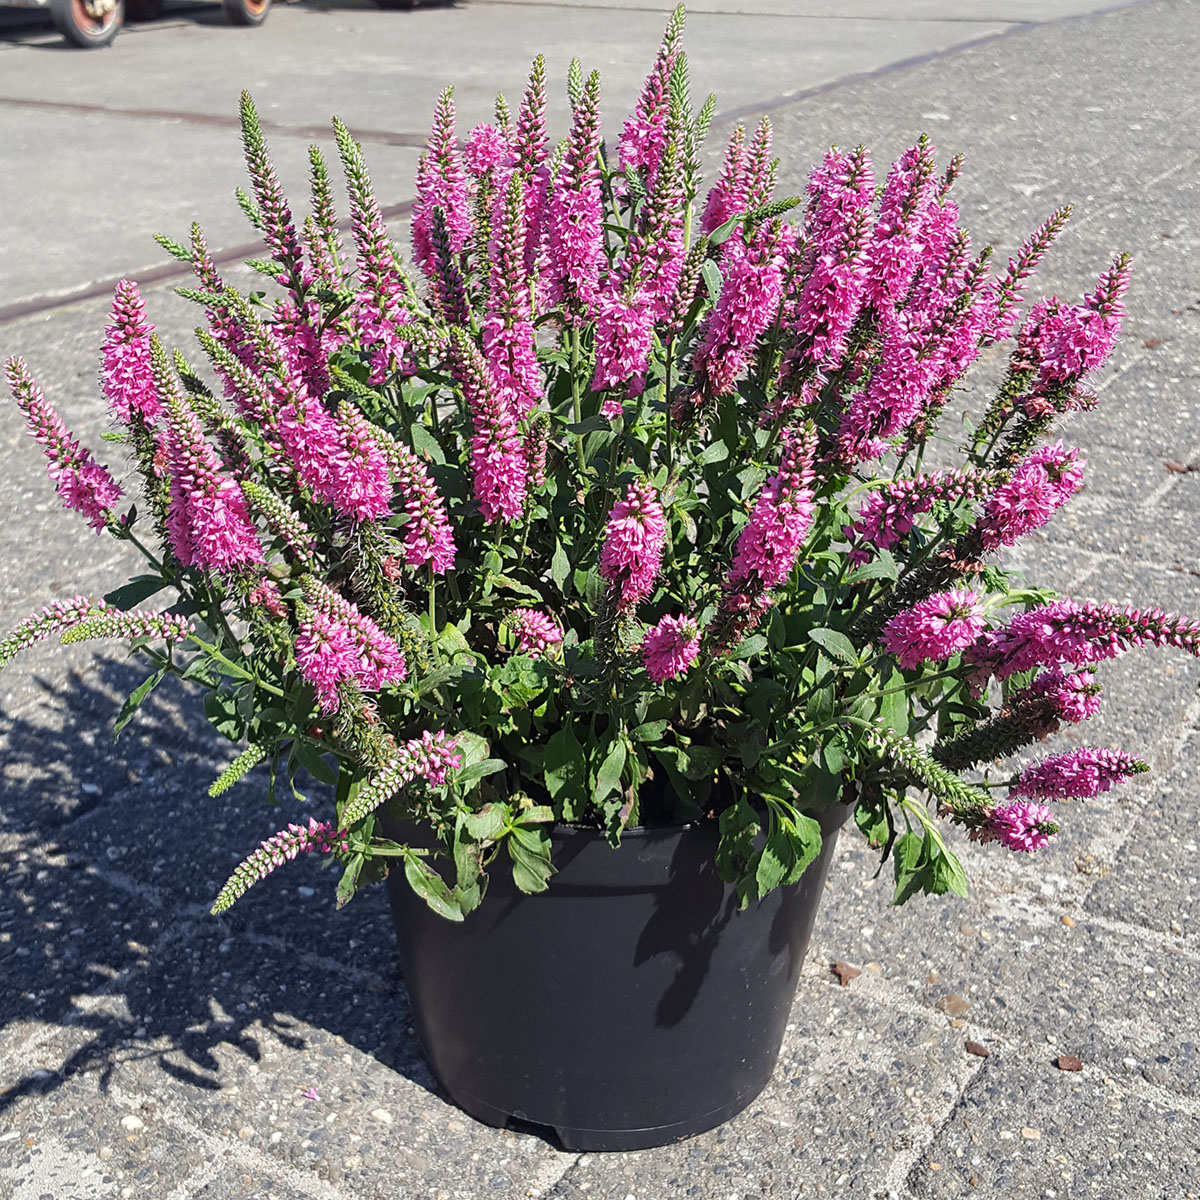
x=623, y=518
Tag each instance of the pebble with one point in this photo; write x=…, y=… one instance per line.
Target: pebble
x=132, y=1123
x=305, y=891
x=953, y=1005
x=1067, y=921
x=105, y=1153
x=1068, y=1062
x=976, y=1048
x=1030, y=1135
x=245, y=1133
x=382, y=1115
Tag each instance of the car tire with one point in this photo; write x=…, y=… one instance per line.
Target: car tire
x=402, y=5
x=72, y=20
x=246, y=12
x=143, y=10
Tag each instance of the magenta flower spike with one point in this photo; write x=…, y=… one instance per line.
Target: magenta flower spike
x=1079, y=774
x=889, y=513
x=51, y=619
x=634, y=539
x=431, y=757
x=442, y=184
x=427, y=534
x=84, y=485
x=574, y=220
x=645, y=132
x=379, y=313
x=769, y=543
x=727, y=197
x=670, y=648
x=498, y=463
x=1009, y=288
x=760, y=167
x=339, y=643
x=934, y=628
x=361, y=486
x=509, y=338
x=529, y=157
x=486, y=151
x=1022, y=826
x=317, y=837
x=127, y=376
x=1077, y=339
x=276, y=217
x=1074, y=696
x=1037, y=489
x=208, y=523
x=895, y=250
x=536, y=631
x=749, y=301
x=623, y=339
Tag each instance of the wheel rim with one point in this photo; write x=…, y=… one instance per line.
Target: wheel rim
x=256, y=6
x=88, y=24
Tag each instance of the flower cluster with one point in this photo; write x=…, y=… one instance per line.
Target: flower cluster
x=619, y=486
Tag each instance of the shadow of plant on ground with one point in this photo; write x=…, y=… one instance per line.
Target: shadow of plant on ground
x=109, y=859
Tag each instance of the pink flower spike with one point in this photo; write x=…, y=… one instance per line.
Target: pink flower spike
x=1022, y=826
x=1043, y=483
x=208, y=524
x=127, y=376
x=485, y=150
x=427, y=535
x=535, y=631
x=670, y=648
x=633, y=544
x=935, y=628
x=82, y=483
x=769, y=544
x=1079, y=774
x=624, y=335
x=727, y=197
x=440, y=184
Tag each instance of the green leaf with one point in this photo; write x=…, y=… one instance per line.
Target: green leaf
x=883, y=567
x=529, y=850
x=714, y=452
x=874, y=822
x=893, y=706
x=948, y=874
x=711, y=275
x=565, y=768
x=431, y=887
x=514, y=585
x=425, y=445
x=755, y=644
x=837, y=643
x=134, y=700
x=139, y=588
x=487, y=824
x=307, y=756
x=608, y=778
x=349, y=880
x=722, y=232
x=560, y=568
x=468, y=775
x=650, y=731
x=738, y=825
x=908, y=857
x=774, y=863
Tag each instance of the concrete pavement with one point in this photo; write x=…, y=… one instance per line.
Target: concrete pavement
x=147, y=1050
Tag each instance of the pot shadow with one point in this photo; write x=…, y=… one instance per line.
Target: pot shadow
x=108, y=864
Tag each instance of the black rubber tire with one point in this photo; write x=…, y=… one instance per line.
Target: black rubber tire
x=143, y=10
x=402, y=5
x=246, y=12
x=72, y=21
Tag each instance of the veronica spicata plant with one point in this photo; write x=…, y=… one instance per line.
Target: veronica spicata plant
x=611, y=507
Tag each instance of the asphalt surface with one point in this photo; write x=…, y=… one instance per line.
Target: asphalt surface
x=147, y=1050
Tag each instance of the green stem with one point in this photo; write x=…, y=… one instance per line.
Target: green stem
x=577, y=398
x=235, y=668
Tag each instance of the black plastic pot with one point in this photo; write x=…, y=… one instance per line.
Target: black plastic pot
x=629, y=1006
